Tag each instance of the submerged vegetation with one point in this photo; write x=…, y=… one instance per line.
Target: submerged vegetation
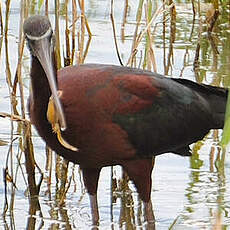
x=155, y=38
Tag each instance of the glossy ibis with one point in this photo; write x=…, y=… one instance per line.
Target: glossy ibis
x=113, y=115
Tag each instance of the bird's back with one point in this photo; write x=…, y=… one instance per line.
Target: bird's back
x=156, y=113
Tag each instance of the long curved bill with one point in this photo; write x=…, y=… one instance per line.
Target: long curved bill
x=42, y=50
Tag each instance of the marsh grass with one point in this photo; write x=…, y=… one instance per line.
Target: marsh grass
x=76, y=47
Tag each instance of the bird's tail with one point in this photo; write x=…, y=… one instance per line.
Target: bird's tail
x=215, y=96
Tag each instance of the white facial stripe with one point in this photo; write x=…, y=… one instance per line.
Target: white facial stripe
x=48, y=32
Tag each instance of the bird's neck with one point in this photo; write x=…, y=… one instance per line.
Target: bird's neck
x=40, y=86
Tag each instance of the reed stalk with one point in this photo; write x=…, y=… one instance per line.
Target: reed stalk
x=132, y=58
x=82, y=32
x=114, y=34
x=124, y=20
x=1, y=29
x=149, y=59
x=9, y=160
x=74, y=19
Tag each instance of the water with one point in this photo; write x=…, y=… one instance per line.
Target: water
x=187, y=193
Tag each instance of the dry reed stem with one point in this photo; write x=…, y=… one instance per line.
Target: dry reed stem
x=148, y=14
x=19, y=65
x=8, y=72
x=113, y=196
x=193, y=20
x=127, y=208
x=196, y=62
x=114, y=34
x=1, y=21
x=142, y=33
x=61, y=171
x=57, y=35
x=218, y=222
x=193, y=9
x=164, y=36
x=1, y=29
x=150, y=51
x=9, y=159
x=87, y=47
x=81, y=55
x=47, y=7
x=125, y=13
x=74, y=18
x=184, y=62
x=65, y=190
x=170, y=58
x=6, y=205
x=13, y=117
x=73, y=178
x=49, y=168
x=82, y=32
x=88, y=28
x=211, y=159
x=134, y=50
